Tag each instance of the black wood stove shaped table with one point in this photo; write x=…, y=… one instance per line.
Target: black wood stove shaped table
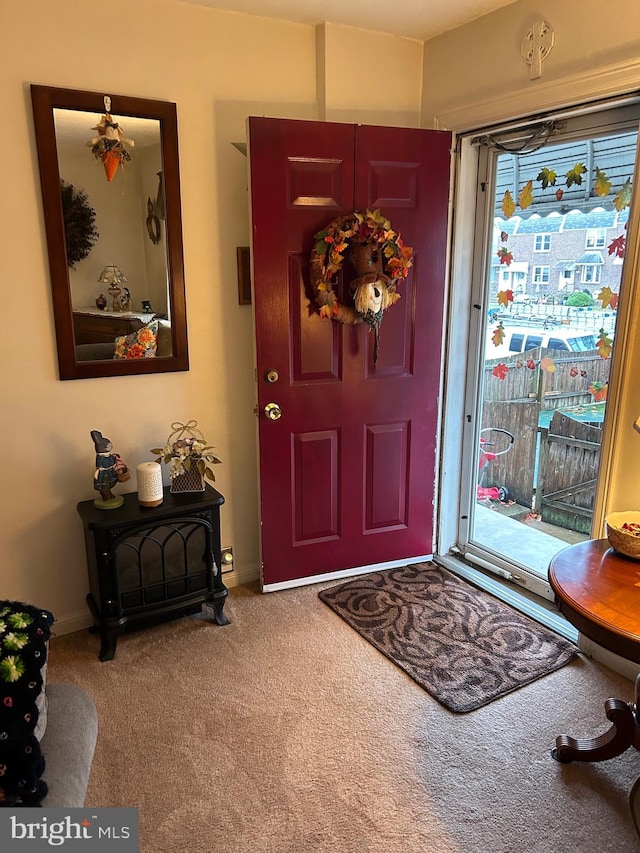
x=151, y=564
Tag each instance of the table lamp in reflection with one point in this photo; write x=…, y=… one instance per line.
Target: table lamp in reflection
x=113, y=276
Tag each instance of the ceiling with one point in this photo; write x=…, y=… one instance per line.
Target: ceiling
x=417, y=19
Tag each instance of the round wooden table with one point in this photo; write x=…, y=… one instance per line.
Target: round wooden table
x=598, y=591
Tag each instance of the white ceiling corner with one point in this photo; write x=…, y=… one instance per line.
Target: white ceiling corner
x=416, y=19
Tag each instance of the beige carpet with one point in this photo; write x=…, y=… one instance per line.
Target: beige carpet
x=287, y=732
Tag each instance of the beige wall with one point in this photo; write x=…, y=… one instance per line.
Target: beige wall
x=482, y=59
x=219, y=68
x=480, y=63
x=356, y=64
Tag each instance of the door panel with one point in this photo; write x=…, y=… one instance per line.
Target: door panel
x=386, y=466
x=397, y=346
x=392, y=184
x=347, y=473
x=316, y=491
x=316, y=181
x=316, y=346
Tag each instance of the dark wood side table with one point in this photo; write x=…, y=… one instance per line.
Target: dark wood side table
x=147, y=564
x=598, y=591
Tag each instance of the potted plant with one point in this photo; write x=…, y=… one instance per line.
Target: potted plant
x=189, y=457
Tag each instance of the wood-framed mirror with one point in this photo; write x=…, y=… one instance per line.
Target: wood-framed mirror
x=127, y=226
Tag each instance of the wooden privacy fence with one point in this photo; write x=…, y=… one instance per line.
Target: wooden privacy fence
x=567, y=386
x=558, y=464
x=568, y=471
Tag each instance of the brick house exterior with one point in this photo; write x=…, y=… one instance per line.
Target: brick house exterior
x=561, y=244
x=555, y=255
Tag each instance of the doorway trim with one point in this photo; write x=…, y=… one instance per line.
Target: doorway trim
x=587, y=88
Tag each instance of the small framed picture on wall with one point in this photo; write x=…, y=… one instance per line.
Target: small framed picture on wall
x=243, y=258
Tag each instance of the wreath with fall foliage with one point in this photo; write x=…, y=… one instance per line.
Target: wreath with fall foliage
x=79, y=217
x=380, y=260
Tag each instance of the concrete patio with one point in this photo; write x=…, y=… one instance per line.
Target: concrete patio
x=532, y=543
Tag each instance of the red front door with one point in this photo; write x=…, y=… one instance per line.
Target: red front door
x=347, y=471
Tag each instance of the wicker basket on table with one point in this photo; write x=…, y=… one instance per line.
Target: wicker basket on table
x=624, y=541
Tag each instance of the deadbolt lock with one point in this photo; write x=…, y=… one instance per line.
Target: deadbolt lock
x=271, y=375
x=273, y=411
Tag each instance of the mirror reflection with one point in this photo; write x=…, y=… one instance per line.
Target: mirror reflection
x=112, y=213
x=111, y=203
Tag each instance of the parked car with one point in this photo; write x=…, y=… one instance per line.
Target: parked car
x=523, y=338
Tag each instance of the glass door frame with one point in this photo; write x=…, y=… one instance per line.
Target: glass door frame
x=466, y=323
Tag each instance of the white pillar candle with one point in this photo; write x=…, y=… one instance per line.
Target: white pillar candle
x=149, y=476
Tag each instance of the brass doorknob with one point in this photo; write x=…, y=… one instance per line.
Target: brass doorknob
x=273, y=411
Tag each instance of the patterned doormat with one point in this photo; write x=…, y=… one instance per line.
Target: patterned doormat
x=463, y=646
